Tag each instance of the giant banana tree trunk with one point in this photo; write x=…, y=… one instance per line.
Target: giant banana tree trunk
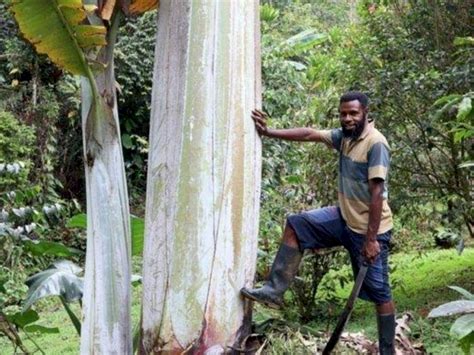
x=203, y=178
x=106, y=327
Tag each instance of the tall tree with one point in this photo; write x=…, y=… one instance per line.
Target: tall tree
x=70, y=32
x=203, y=178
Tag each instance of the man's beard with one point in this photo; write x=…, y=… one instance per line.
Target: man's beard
x=356, y=131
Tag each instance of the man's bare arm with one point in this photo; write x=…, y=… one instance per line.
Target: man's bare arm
x=302, y=134
x=371, y=247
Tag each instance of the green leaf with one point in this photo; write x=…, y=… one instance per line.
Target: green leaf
x=294, y=179
x=451, y=308
x=463, y=326
x=466, y=343
x=36, y=328
x=464, y=108
x=444, y=99
x=60, y=279
x=72, y=316
x=127, y=141
x=138, y=233
x=268, y=13
x=461, y=134
x=305, y=40
x=462, y=41
x=55, y=28
x=439, y=113
x=78, y=221
x=467, y=295
x=137, y=225
x=22, y=319
x=43, y=247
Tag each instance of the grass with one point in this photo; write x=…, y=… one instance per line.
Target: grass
x=420, y=280
x=421, y=284
x=52, y=314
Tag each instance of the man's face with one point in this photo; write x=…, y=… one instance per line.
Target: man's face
x=353, y=118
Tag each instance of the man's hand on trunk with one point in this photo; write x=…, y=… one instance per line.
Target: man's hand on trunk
x=260, y=119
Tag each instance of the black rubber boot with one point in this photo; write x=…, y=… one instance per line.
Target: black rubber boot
x=386, y=326
x=284, y=269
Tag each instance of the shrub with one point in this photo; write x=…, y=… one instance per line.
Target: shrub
x=16, y=142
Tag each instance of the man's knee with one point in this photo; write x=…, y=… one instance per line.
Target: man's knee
x=289, y=236
x=387, y=307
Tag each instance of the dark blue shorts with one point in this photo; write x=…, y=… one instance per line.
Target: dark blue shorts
x=325, y=228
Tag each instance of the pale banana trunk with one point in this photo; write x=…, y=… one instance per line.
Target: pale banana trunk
x=204, y=172
x=106, y=325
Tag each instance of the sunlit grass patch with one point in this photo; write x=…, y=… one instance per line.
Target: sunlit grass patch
x=420, y=284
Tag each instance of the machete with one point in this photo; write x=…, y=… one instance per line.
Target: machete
x=347, y=310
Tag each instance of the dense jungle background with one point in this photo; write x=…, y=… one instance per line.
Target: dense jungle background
x=413, y=58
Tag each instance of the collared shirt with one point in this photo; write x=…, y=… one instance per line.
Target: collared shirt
x=360, y=160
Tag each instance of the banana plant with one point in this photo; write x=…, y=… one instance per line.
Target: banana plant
x=203, y=178
x=79, y=36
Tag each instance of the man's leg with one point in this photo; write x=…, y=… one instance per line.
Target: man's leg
x=289, y=237
x=284, y=269
x=376, y=286
x=320, y=228
x=385, y=308
x=386, y=327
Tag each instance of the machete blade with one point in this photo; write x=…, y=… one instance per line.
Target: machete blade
x=347, y=310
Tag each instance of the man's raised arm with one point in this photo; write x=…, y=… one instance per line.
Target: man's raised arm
x=302, y=134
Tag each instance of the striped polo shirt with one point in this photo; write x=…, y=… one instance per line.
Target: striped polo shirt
x=362, y=159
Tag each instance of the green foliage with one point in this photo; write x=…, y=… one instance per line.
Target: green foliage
x=12, y=289
x=16, y=142
x=427, y=141
x=134, y=62
x=417, y=73
x=462, y=126
x=417, y=76
x=295, y=177
x=405, y=64
x=310, y=298
x=45, y=247
x=25, y=320
x=24, y=220
x=63, y=37
x=463, y=328
x=16, y=139
x=24, y=247
x=26, y=223
x=38, y=94
x=268, y=13
x=60, y=279
x=302, y=42
x=29, y=221
x=419, y=281
x=137, y=225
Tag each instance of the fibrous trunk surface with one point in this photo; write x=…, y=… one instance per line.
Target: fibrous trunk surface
x=106, y=326
x=203, y=178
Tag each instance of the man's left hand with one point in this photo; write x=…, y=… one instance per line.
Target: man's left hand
x=371, y=250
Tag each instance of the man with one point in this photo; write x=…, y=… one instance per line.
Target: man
x=362, y=222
